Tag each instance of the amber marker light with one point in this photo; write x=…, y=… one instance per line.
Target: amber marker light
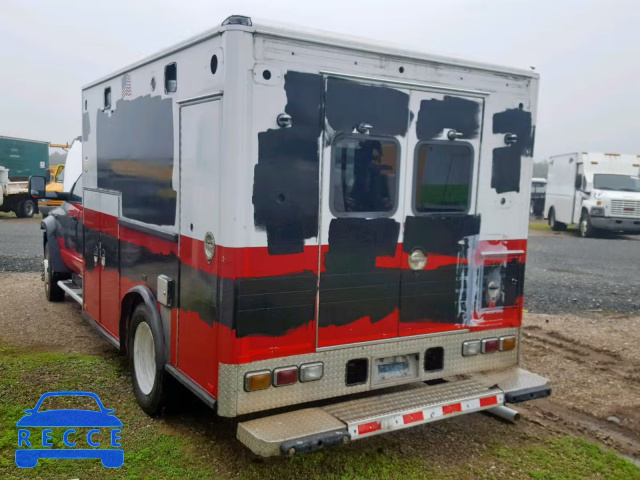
x=257, y=380
x=507, y=343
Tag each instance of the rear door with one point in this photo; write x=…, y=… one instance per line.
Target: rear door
x=362, y=211
x=399, y=174
x=439, y=190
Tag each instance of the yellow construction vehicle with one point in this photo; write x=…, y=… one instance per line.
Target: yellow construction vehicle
x=56, y=183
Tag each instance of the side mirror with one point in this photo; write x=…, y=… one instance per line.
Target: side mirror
x=37, y=187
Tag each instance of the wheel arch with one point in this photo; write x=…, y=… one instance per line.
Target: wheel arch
x=50, y=235
x=551, y=209
x=134, y=297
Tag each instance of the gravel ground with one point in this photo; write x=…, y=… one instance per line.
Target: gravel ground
x=566, y=274
x=20, y=244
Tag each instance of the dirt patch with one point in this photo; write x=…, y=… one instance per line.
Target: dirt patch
x=594, y=367
x=28, y=320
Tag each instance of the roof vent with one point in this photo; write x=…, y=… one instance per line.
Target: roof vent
x=237, y=20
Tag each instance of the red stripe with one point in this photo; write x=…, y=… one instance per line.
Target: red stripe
x=413, y=417
x=369, y=427
x=488, y=401
x=453, y=408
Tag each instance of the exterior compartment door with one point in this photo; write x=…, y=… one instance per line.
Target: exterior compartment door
x=101, y=275
x=439, y=192
x=362, y=211
x=198, y=289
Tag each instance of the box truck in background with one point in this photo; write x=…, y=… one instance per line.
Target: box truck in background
x=595, y=191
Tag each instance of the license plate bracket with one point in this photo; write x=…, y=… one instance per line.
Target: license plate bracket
x=396, y=368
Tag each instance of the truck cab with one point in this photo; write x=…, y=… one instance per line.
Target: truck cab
x=595, y=192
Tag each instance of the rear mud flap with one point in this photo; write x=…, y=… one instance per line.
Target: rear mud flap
x=414, y=404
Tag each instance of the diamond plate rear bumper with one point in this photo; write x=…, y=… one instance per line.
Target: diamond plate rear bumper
x=401, y=407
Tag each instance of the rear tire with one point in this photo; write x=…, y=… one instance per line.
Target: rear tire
x=586, y=229
x=27, y=209
x=51, y=289
x=146, y=358
x=554, y=224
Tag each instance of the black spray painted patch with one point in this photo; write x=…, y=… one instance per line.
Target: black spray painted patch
x=506, y=167
x=285, y=181
x=352, y=287
x=438, y=234
x=135, y=157
x=349, y=104
x=459, y=114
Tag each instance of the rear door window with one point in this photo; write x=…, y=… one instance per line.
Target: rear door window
x=443, y=177
x=364, y=176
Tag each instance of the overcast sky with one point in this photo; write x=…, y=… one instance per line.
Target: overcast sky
x=587, y=53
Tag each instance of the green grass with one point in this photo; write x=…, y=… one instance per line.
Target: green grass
x=539, y=226
x=193, y=444
x=545, y=226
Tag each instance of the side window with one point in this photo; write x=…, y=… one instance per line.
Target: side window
x=443, y=176
x=107, y=98
x=364, y=176
x=171, y=78
x=76, y=191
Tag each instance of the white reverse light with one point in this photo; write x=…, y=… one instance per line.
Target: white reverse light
x=311, y=372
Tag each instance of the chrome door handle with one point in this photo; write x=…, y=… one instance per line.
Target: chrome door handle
x=96, y=254
x=103, y=258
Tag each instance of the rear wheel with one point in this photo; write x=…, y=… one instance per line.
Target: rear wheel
x=51, y=289
x=27, y=209
x=555, y=225
x=586, y=229
x=146, y=357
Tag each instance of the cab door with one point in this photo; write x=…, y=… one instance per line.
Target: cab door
x=362, y=211
x=439, y=199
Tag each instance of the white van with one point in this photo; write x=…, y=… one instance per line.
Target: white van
x=596, y=191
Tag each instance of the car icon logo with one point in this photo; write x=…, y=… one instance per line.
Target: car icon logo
x=104, y=430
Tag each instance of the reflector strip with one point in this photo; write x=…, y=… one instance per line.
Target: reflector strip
x=413, y=417
x=488, y=401
x=369, y=427
x=404, y=419
x=449, y=409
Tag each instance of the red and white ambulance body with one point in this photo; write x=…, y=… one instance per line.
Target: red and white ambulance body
x=276, y=216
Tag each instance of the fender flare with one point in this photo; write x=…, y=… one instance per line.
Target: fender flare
x=50, y=236
x=149, y=300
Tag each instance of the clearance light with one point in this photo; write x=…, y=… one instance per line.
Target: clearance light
x=257, y=380
x=470, y=348
x=310, y=372
x=507, y=343
x=490, y=345
x=285, y=376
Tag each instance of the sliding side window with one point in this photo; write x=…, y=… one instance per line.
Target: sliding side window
x=443, y=176
x=364, y=176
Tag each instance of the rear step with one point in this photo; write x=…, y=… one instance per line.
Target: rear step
x=314, y=428
x=71, y=289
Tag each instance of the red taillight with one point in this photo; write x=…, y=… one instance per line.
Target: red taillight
x=285, y=376
x=490, y=345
